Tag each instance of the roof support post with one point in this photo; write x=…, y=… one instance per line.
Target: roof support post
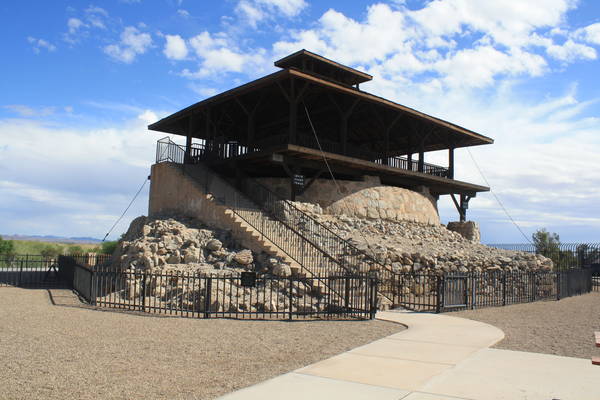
x=293, y=128
x=451, y=163
x=187, y=158
x=409, y=161
x=421, y=158
x=463, y=206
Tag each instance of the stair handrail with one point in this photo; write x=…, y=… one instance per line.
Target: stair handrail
x=389, y=274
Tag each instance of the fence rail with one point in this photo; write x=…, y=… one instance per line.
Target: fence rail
x=564, y=255
x=439, y=293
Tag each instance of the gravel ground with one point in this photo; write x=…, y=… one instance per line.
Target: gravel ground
x=563, y=328
x=62, y=352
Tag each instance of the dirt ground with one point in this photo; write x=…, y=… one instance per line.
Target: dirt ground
x=66, y=352
x=564, y=328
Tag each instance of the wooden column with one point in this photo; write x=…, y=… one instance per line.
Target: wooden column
x=451, y=163
x=344, y=133
x=188, y=141
x=421, y=159
x=293, y=112
x=409, y=161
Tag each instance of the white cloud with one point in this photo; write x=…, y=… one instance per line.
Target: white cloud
x=96, y=16
x=175, y=47
x=74, y=24
x=183, y=13
x=571, y=51
x=590, y=33
x=57, y=179
x=39, y=44
x=254, y=11
x=132, y=43
x=218, y=55
x=27, y=111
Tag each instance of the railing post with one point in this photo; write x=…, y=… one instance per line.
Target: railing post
x=557, y=285
x=20, y=272
x=440, y=294
x=290, y=296
x=144, y=291
x=207, y=296
x=503, y=288
x=93, y=287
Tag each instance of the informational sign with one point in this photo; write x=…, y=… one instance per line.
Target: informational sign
x=248, y=279
x=299, y=180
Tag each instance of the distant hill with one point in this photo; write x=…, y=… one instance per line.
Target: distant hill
x=50, y=238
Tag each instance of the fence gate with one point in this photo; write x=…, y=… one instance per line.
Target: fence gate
x=455, y=289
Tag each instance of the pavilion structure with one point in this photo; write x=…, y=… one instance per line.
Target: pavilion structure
x=310, y=120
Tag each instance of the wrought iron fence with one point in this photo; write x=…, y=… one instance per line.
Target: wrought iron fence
x=564, y=255
x=227, y=295
x=29, y=271
x=448, y=292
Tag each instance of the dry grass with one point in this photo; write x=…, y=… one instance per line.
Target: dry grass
x=61, y=352
x=564, y=328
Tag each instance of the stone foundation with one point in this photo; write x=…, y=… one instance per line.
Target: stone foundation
x=468, y=229
x=364, y=199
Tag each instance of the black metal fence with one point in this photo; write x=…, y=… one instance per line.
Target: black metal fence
x=563, y=255
x=30, y=271
x=449, y=292
x=244, y=296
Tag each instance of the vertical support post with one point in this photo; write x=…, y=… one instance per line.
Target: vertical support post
x=144, y=291
x=451, y=163
x=374, y=283
x=409, y=161
x=347, y=292
x=503, y=288
x=440, y=294
x=93, y=281
x=293, y=112
x=421, y=159
x=344, y=133
x=207, y=297
x=291, y=298
x=20, y=273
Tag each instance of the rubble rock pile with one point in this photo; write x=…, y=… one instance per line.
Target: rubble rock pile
x=408, y=246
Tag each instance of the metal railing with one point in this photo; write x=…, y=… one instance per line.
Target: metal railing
x=450, y=292
x=315, y=247
x=563, y=255
x=213, y=150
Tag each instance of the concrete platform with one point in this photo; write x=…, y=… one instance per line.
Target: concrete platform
x=439, y=357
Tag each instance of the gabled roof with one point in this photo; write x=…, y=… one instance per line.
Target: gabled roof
x=307, y=61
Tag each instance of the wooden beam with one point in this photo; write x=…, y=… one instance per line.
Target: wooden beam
x=293, y=126
x=451, y=163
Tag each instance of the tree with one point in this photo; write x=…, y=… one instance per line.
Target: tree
x=548, y=244
x=109, y=247
x=7, y=247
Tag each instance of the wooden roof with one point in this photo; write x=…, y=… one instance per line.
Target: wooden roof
x=305, y=60
x=367, y=124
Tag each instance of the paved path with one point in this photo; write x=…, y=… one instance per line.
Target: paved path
x=439, y=357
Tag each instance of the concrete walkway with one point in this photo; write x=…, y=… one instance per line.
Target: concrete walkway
x=439, y=357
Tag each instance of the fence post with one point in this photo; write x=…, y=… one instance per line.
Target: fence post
x=346, y=292
x=290, y=296
x=503, y=288
x=374, y=282
x=92, y=298
x=473, y=289
x=557, y=285
x=20, y=272
x=568, y=283
x=207, y=296
x=440, y=294
x=144, y=291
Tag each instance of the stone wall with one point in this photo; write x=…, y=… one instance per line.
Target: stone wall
x=468, y=229
x=364, y=199
x=173, y=193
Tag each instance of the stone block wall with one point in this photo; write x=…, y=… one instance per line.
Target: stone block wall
x=468, y=229
x=364, y=199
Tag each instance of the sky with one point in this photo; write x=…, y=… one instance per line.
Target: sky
x=82, y=80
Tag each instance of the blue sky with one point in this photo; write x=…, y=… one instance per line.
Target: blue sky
x=81, y=80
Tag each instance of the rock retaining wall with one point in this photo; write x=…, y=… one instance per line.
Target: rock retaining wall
x=364, y=199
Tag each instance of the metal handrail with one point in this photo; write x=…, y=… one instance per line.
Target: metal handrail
x=318, y=236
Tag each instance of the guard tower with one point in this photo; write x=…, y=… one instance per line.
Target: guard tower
x=311, y=117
